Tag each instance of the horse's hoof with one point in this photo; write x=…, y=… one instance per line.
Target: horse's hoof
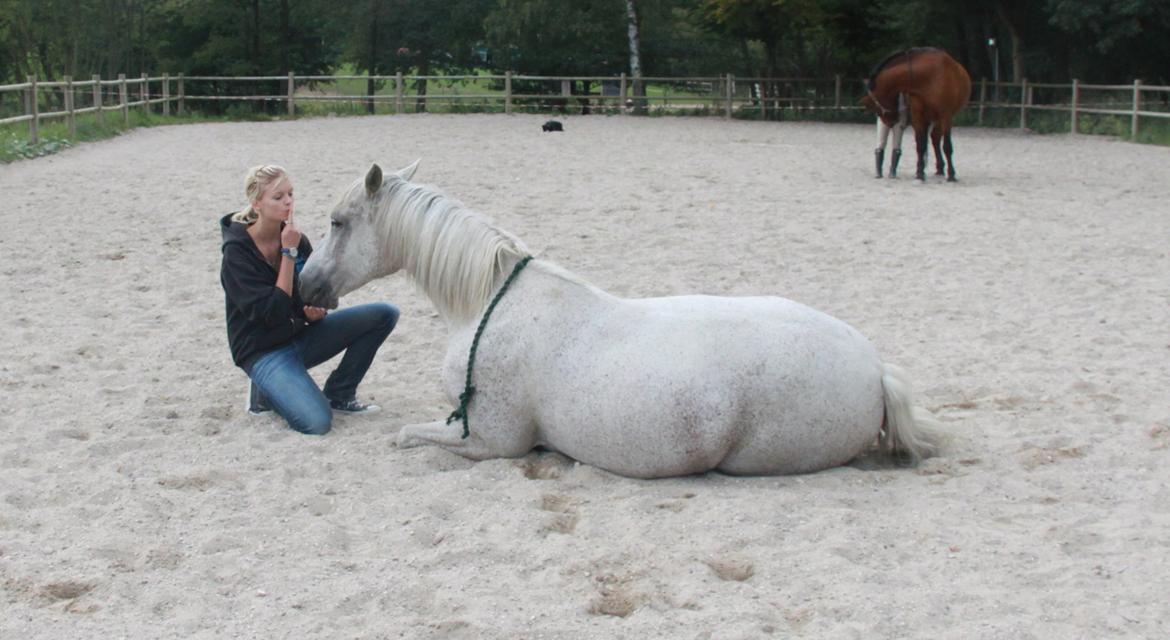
x=952, y=179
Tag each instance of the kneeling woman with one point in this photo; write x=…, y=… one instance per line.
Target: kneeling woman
x=274, y=337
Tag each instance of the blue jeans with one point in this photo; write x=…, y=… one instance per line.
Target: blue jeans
x=283, y=373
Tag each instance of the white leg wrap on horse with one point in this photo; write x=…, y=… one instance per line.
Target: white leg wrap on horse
x=883, y=134
x=898, y=131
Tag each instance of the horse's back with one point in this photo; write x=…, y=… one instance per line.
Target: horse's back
x=950, y=82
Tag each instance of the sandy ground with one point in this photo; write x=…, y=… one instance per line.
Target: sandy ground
x=1029, y=302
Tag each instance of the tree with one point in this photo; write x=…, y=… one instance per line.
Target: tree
x=774, y=23
x=635, y=52
x=1124, y=39
x=551, y=37
x=420, y=36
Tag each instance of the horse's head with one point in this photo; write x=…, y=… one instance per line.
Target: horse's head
x=352, y=253
x=871, y=104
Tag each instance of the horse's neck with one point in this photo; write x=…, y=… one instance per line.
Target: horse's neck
x=545, y=289
x=457, y=257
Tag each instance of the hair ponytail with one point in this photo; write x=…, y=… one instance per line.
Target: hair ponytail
x=256, y=180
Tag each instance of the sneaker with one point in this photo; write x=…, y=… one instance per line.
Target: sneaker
x=353, y=405
x=256, y=403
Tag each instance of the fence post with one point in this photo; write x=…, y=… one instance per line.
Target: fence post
x=398, y=93
x=728, y=91
x=166, y=94
x=1137, y=106
x=97, y=99
x=622, y=88
x=1076, y=97
x=72, y=118
x=837, y=93
x=292, y=88
x=1024, y=103
x=982, y=97
x=123, y=97
x=33, y=109
x=182, y=97
x=508, y=92
x=144, y=94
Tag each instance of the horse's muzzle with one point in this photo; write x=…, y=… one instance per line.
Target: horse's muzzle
x=318, y=295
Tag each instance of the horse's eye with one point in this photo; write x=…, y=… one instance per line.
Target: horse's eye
x=335, y=223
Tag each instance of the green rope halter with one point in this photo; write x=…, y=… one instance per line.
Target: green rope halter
x=468, y=390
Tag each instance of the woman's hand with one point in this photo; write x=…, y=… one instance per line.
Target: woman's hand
x=290, y=236
x=314, y=313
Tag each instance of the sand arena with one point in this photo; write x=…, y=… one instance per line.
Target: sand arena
x=1029, y=302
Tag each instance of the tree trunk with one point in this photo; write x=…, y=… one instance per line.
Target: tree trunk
x=1013, y=21
x=372, y=55
x=771, y=89
x=285, y=38
x=424, y=68
x=635, y=56
x=256, y=36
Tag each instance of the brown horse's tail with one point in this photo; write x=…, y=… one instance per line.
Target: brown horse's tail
x=907, y=431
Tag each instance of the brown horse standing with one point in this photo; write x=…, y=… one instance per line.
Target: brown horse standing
x=937, y=87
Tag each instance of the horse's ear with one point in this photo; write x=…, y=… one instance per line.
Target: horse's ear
x=408, y=172
x=373, y=179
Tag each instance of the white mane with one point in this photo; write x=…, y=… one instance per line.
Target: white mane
x=454, y=254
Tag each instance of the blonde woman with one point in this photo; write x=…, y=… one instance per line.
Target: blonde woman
x=274, y=336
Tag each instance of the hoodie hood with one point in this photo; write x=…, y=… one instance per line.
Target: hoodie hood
x=234, y=232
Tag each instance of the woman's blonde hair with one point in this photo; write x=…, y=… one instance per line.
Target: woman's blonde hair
x=256, y=181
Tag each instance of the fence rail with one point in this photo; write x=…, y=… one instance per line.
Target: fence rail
x=35, y=92
x=727, y=94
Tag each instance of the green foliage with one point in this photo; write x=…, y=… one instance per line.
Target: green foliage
x=15, y=148
x=1115, y=40
x=552, y=37
x=386, y=37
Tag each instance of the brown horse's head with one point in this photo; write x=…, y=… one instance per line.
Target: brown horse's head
x=871, y=104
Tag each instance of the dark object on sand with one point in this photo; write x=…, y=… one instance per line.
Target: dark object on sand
x=552, y=125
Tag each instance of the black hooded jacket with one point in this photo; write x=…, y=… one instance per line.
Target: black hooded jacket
x=260, y=316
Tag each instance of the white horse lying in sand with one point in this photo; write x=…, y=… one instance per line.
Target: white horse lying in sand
x=645, y=388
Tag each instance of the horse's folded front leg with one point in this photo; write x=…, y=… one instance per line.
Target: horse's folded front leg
x=450, y=437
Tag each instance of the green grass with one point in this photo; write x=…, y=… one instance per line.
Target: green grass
x=54, y=134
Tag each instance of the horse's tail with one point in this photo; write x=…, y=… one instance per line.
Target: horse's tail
x=907, y=432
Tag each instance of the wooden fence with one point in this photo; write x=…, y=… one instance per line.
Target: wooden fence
x=96, y=88
x=726, y=95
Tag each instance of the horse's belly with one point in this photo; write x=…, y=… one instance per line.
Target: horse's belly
x=684, y=385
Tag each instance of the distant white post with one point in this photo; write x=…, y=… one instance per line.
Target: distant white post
x=398, y=93
x=34, y=125
x=97, y=99
x=508, y=92
x=292, y=89
x=123, y=96
x=72, y=118
x=1137, y=106
x=182, y=97
x=729, y=91
x=982, y=97
x=1024, y=103
x=622, y=89
x=166, y=94
x=1076, y=95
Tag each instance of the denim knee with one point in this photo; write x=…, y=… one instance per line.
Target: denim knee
x=313, y=423
x=389, y=315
